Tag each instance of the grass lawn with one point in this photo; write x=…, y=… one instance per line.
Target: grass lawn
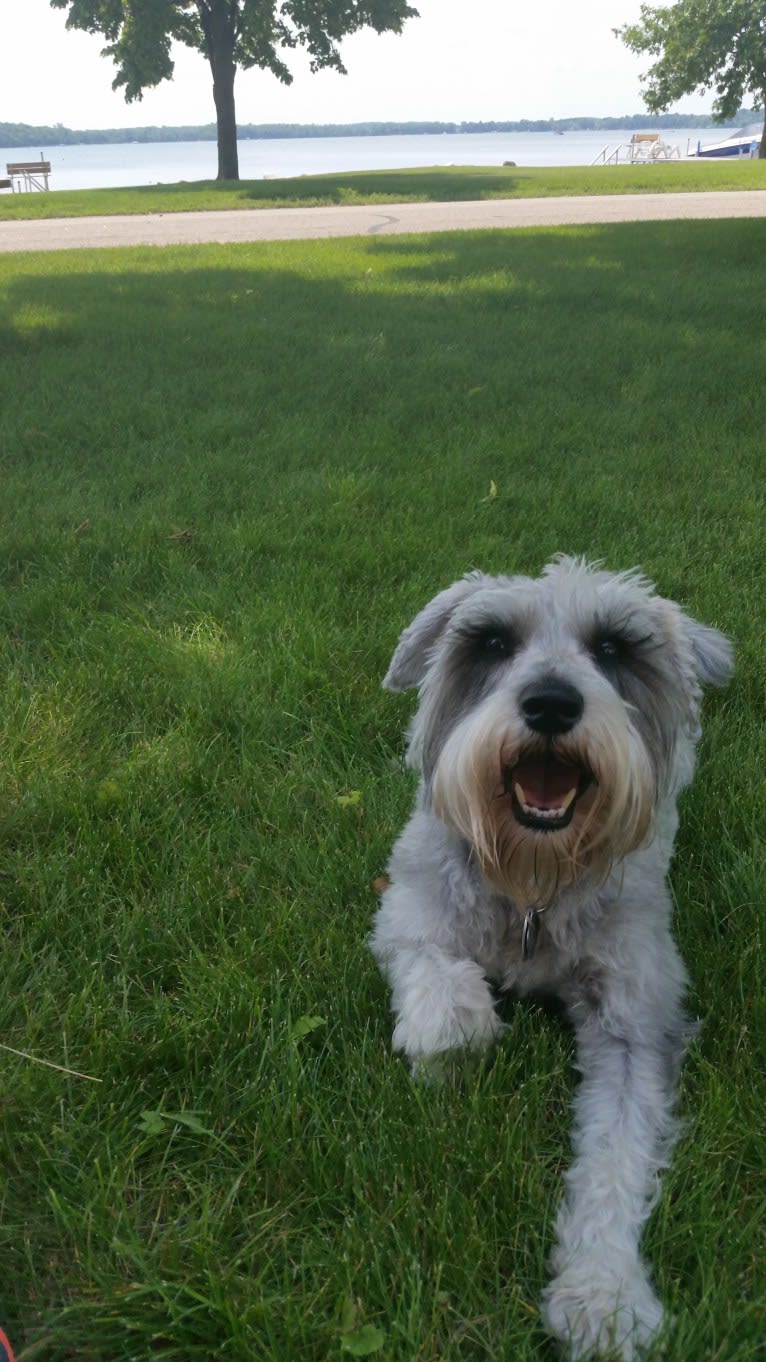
x=437, y=184
x=230, y=476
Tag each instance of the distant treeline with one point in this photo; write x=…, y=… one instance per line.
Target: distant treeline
x=26, y=134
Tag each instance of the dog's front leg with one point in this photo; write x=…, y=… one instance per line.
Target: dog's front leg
x=441, y=1003
x=426, y=939
x=440, y=995
x=601, y=1300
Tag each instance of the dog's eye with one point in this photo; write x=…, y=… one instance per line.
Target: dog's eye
x=493, y=644
x=608, y=648
x=612, y=648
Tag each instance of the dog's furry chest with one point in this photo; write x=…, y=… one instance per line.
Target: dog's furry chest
x=561, y=938
x=463, y=913
x=576, y=933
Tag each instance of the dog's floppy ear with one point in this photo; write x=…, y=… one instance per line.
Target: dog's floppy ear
x=411, y=657
x=712, y=652
x=704, y=656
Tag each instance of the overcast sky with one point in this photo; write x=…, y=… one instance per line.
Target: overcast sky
x=461, y=60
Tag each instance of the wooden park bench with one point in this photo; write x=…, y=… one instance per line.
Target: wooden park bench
x=28, y=174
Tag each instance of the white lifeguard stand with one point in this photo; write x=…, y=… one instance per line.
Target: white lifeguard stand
x=642, y=149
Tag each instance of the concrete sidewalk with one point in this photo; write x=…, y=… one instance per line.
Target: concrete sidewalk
x=284, y=224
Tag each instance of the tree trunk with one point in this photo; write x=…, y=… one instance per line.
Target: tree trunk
x=226, y=120
x=217, y=25
x=762, y=147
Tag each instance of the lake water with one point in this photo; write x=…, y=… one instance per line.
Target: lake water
x=132, y=163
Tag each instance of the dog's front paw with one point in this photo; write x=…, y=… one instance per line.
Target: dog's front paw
x=602, y=1314
x=437, y=1049
x=444, y=1010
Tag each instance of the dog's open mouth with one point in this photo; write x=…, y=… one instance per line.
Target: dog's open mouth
x=544, y=791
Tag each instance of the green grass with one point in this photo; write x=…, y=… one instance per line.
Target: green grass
x=230, y=476
x=436, y=183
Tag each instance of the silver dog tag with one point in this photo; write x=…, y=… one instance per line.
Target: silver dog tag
x=529, y=930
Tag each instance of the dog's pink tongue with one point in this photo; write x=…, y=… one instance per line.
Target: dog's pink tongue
x=545, y=781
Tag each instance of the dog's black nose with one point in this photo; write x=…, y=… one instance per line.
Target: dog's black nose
x=551, y=706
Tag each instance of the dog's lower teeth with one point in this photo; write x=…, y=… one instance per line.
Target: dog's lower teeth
x=548, y=815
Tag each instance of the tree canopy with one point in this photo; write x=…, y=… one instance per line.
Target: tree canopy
x=230, y=34
x=703, y=45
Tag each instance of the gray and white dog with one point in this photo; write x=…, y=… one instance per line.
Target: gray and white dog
x=557, y=722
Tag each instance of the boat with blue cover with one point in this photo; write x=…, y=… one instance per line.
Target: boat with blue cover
x=744, y=143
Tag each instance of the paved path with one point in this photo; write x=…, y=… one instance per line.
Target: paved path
x=282, y=224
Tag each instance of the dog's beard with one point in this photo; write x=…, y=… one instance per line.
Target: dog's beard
x=540, y=813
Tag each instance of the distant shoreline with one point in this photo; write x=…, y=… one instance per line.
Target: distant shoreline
x=27, y=134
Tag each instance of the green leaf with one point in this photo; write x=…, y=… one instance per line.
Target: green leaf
x=305, y=1025
x=155, y=1122
x=363, y=1342
x=151, y=1122
x=190, y=1119
x=349, y=1315
x=348, y=801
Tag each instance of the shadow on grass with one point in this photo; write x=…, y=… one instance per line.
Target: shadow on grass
x=560, y=362
x=431, y=184
x=645, y=320
x=434, y=184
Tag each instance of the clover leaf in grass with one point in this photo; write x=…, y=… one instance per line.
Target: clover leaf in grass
x=156, y=1122
x=363, y=1342
x=305, y=1025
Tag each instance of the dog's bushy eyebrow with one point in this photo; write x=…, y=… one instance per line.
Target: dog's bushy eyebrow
x=473, y=626
x=501, y=610
x=630, y=626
